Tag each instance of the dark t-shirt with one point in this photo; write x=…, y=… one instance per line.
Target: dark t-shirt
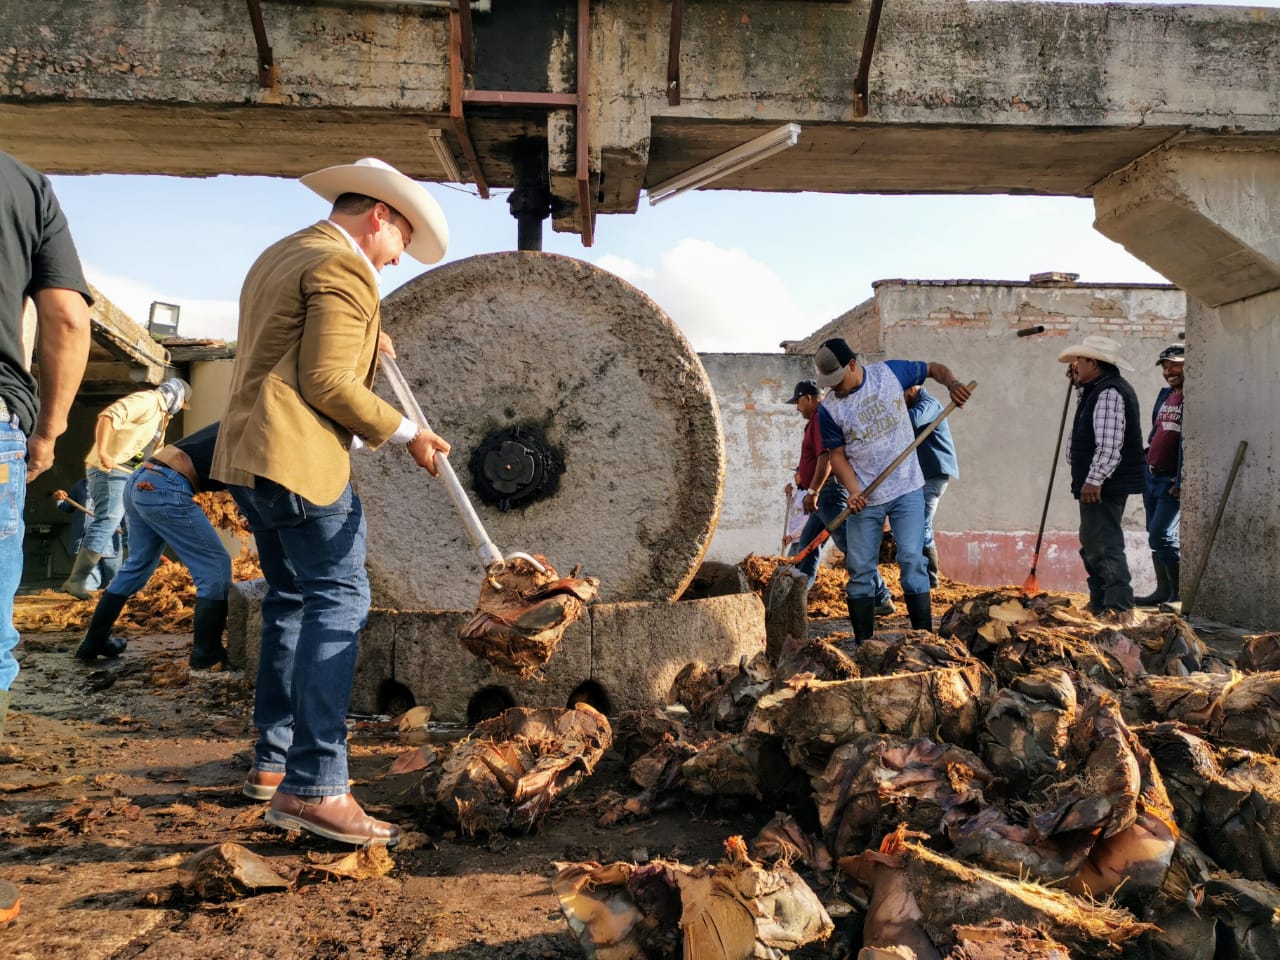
x=36, y=253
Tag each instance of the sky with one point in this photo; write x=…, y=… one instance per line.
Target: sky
x=737, y=272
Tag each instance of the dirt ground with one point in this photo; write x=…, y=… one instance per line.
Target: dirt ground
x=109, y=777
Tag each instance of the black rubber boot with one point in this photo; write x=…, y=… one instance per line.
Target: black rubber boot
x=1174, y=571
x=208, y=621
x=98, y=641
x=1161, y=594
x=920, y=610
x=931, y=554
x=77, y=582
x=862, y=616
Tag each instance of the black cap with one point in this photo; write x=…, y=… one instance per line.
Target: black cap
x=805, y=388
x=1176, y=353
x=830, y=360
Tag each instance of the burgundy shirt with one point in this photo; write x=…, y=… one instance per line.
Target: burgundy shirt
x=1162, y=455
x=810, y=450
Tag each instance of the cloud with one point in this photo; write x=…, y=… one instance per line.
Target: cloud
x=213, y=319
x=724, y=300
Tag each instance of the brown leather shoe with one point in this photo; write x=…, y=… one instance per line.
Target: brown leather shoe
x=337, y=818
x=261, y=784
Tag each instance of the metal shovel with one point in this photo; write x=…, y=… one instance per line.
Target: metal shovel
x=491, y=557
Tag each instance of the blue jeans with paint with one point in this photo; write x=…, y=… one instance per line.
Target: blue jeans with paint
x=159, y=505
x=833, y=498
x=316, y=605
x=107, y=491
x=863, y=532
x=1163, y=515
x=13, y=497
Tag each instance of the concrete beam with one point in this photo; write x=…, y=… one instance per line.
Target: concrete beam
x=1208, y=219
x=974, y=97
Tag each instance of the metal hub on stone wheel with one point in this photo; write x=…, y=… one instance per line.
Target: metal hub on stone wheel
x=586, y=420
x=513, y=467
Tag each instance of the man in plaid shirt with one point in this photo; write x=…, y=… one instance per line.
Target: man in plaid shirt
x=1105, y=451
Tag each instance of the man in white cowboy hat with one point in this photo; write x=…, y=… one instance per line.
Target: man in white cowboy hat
x=301, y=394
x=125, y=434
x=1161, y=497
x=1106, y=457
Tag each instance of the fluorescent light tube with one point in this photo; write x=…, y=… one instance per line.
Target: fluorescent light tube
x=731, y=161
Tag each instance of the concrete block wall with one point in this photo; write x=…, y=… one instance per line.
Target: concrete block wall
x=626, y=654
x=762, y=447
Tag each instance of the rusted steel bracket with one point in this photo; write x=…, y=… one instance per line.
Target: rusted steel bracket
x=463, y=8
x=266, y=63
x=864, y=62
x=460, y=98
x=581, y=127
x=457, y=78
x=673, y=53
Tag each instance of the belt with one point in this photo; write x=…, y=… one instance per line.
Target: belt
x=184, y=471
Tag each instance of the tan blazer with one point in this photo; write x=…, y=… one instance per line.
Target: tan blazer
x=305, y=359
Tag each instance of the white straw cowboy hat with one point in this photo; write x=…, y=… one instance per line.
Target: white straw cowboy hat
x=1096, y=347
x=376, y=178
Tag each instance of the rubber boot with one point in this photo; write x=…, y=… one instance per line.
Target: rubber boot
x=1161, y=593
x=931, y=554
x=98, y=641
x=920, y=610
x=76, y=583
x=862, y=616
x=4, y=709
x=1174, y=572
x=206, y=634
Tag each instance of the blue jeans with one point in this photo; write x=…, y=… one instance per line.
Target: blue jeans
x=1163, y=515
x=13, y=497
x=863, y=532
x=1102, y=550
x=934, y=488
x=832, y=500
x=316, y=605
x=160, y=509
x=107, y=491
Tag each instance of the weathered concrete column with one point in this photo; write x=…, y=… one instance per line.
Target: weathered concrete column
x=1206, y=218
x=1232, y=395
x=1209, y=220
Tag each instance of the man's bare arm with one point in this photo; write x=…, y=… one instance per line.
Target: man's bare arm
x=62, y=350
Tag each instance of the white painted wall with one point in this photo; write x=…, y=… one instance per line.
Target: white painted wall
x=762, y=446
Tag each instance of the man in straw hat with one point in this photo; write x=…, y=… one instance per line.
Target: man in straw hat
x=301, y=394
x=865, y=425
x=1105, y=453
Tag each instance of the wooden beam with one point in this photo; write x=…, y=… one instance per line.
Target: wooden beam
x=582, y=127
x=457, y=80
x=673, y=53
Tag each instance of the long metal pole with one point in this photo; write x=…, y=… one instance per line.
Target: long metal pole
x=489, y=554
x=1194, y=588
